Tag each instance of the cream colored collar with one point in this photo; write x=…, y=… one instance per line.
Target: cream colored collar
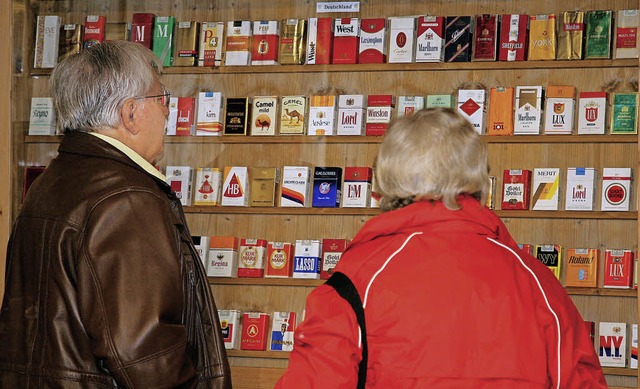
x=135, y=157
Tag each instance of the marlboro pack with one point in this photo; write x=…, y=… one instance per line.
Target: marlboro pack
x=618, y=268
x=373, y=41
x=500, y=111
x=357, y=187
x=142, y=28
x=598, y=34
x=546, y=186
x=580, y=194
x=513, y=37
x=380, y=110
x=94, y=30
x=255, y=331
x=237, y=115
x=265, y=42
x=457, y=39
x=238, y=47
x=172, y=120
x=407, y=105
x=264, y=115
x=626, y=37
x=332, y=250
x=186, y=116
x=516, y=187
x=210, y=51
x=616, y=189
x=345, y=40
x=351, y=114
x=179, y=179
x=613, y=344
x=542, y=37
x=282, y=328
x=306, y=261
x=471, y=105
x=251, y=258
x=560, y=108
x=528, y=115
x=264, y=186
x=322, y=112
x=592, y=108
x=210, y=109
x=163, y=39
x=235, y=186
x=551, y=256
x=292, y=41
x=208, y=186
x=223, y=256
x=581, y=268
x=319, y=41
x=186, y=44
x=230, y=326
x=485, y=38
x=402, y=36
x=430, y=39
x=570, y=35
x=279, y=260
x=295, y=186
x=624, y=113
x=47, y=41
x=327, y=187
x=292, y=115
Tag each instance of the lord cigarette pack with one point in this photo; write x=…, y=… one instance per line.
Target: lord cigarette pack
x=306, y=260
x=238, y=44
x=345, y=40
x=332, y=250
x=210, y=110
x=251, y=258
x=592, y=108
x=279, y=260
x=235, y=187
x=581, y=269
x=293, y=114
x=265, y=42
x=223, y=256
x=210, y=51
x=295, y=186
x=500, y=120
x=230, y=326
x=430, y=39
x=516, y=187
x=186, y=43
x=255, y=331
x=351, y=113
x=514, y=37
x=373, y=45
x=580, y=194
x=208, y=186
x=560, y=109
x=402, y=37
x=546, y=187
x=327, y=187
x=264, y=115
x=265, y=182
x=179, y=179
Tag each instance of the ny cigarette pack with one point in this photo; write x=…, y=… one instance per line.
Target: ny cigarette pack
x=172, y=120
x=251, y=258
x=430, y=39
x=402, y=36
x=236, y=117
x=265, y=42
x=500, y=120
x=238, y=46
x=282, y=328
x=255, y=331
x=292, y=41
x=319, y=41
x=71, y=36
x=373, y=41
x=598, y=34
x=293, y=115
x=560, y=109
x=163, y=39
x=179, y=179
x=542, y=38
x=235, y=186
x=471, y=105
x=528, y=115
x=616, y=189
x=208, y=186
x=357, y=187
x=407, y=105
x=322, y=112
x=546, y=186
x=514, y=37
x=618, y=269
x=42, y=120
x=210, y=50
x=295, y=186
x=332, y=250
x=351, y=114
x=264, y=115
x=94, y=30
x=279, y=260
x=380, y=110
x=551, y=256
x=626, y=38
x=581, y=268
x=624, y=113
x=592, y=107
x=306, y=260
x=516, y=187
x=230, y=326
x=186, y=44
x=223, y=256
x=570, y=35
x=457, y=39
x=201, y=243
x=142, y=25
x=485, y=38
x=580, y=194
x=613, y=344
x=264, y=186
x=47, y=41
x=186, y=116
x=445, y=101
x=345, y=40
x=210, y=111
x=327, y=187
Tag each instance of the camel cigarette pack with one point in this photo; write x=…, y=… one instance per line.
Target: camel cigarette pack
x=251, y=258
x=485, y=38
x=201, y=243
x=230, y=326
x=351, y=114
x=172, y=120
x=570, y=35
x=580, y=193
x=319, y=41
x=292, y=41
x=264, y=186
x=528, y=114
x=560, y=109
x=471, y=105
x=380, y=110
x=306, y=260
x=282, y=328
x=116, y=31
x=514, y=37
x=546, y=186
x=186, y=116
x=457, y=39
x=551, y=256
x=542, y=37
x=598, y=34
x=345, y=40
x=373, y=41
x=626, y=38
x=295, y=186
x=70, y=40
x=223, y=256
x=327, y=187
x=279, y=260
x=238, y=46
x=357, y=187
x=633, y=360
x=592, y=108
x=210, y=51
x=255, y=331
x=94, y=30
x=265, y=42
x=516, y=187
x=293, y=112
x=616, y=189
x=618, y=269
x=612, y=350
x=235, y=186
x=163, y=39
x=402, y=36
x=322, y=112
x=444, y=101
x=208, y=186
x=581, y=268
x=430, y=39
x=500, y=120
x=624, y=113
x=47, y=41
x=186, y=44
x=264, y=115
x=210, y=111
x=42, y=120
x=332, y=250
x=179, y=179
x=407, y=105
x=236, y=117
x=142, y=25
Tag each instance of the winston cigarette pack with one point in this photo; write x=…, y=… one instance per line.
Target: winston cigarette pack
x=402, y=36
x=251, y=258
x=265, y=182
x=516, y=186
x=373, y=45
x=255, y=331
x=282, y=328
x=265, y=42
x=210, y=51
x=581, y=268
x=327, y=186
x=235, y=186
x=42, y=120
x=580, y=194
x=223, y=256
x=351, y=114
x=230, y=325
x=618, y=269
x=210, y=110
x=592, y=107
x=208, y=186
x=306, y=260
x=292, y=115
x=319, y=41
x=551, y=256
x=295, y=186
x=613, y=344
x=238, y=47
x=471, y=105
x=430, y=39
x=560, y=109
x=332, y=250
x=546, y=186
x=500, y=111
x=357, y=187
x=616, y=189
x=264, y=115
x=345, y=40
x=179, y=179
x=322, y=112
x=380, y=110
x=279, y=260
x=528, y=115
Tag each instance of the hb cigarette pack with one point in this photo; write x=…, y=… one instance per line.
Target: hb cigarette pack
x=235, y=186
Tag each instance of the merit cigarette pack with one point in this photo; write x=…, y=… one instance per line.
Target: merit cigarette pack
x=560, y=109
x=208, y=188
x=345, y=40
x=516, y=187
x=327, y=187
x=265, y=182
x=373, y=45
x=380, y=110
x=279, y=260
x=581, y=268
x=402, y=37
x=186, y=44
x=210, y=110
x=356, y=191
x=592, y=109
x=295, y=186
x=238, y=46
x=265, y=42
x=471, y=105
x=580, y=193
x=251, y=258
x=322, y=112
x=546, y=187
x=528, y=114
x=351, y=113
x=500, y=120
x=47, y=41
x=282, y=328
x=332, y=250
x=179, y=179
x=210, y=51
x=430, y=39
x=319, y=41
x=264, y=115
x=255, y=331
x=293, y=115
x=292, y=41
x=458, y=39
x=616, y=189
x=514, y=37
x=223, y=256
x=306, y=260
x=542, y=37
x=230, y=326
x=237, y=115
x=235, y=187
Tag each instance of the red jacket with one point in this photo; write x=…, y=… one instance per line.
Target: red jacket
x=450, y=302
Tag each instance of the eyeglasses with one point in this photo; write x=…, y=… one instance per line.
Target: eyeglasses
x=162, y=99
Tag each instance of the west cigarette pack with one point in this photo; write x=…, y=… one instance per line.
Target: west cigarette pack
x=319, y=41
x=293, y=115
x=264, y=115
x=402, y=37
x=500, y=111
x=546, y=187
x=42, y=120
x=327, y=187
x=251, y=258
x=528, y=115
x=279, y=260
x=618, y=268
x=230, y=326
x=211, y=49
x=322, y=112
x=624, y=113
x=351, y=113
x=457, y=39
x=179, y=179
x=626, y=38
x=592, y=108
x=186, y=44
x=223, y=256
x=94, y=30
x=210, y=111
x=345, y=40
x=332, y=250
x=71, y=37
x=430, y=39
x=238, y=46
x=373, y=45
x=560, y=109
x=580, y=194
x=237, y=114
x=598, y=34
x=306, y=261
x=380, y=110
x=235, y=187
x=295, y=186
x=516, y=188
x=570, y=35
x=357, y=187
x=514, y=37
x=47, y=41
x=612, y=350
x=163, y=39
x=551, y=256
x=542, y=37
x=142, y=25
x=485, y=38
x=407, y=105
x=265, y=182
x=282, y=328
x=616, y=189
x=255, y=331
x=208, y=186
x=292, y=41
x=186, y=116
x=265, y=42
x=581, y=268
x=471, y=105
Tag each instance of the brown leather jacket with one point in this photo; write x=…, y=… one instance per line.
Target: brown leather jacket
x=104, y=286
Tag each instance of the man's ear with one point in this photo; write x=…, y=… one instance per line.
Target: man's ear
x=128, y=116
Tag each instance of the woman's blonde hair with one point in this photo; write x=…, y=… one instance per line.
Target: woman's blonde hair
x=434, y=154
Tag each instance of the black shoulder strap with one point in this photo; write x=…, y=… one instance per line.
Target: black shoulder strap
x=345, y=288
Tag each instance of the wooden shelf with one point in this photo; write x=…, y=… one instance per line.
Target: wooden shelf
x=601, y=292
x=259, y=354
x=508, y=214
x=621, y=371
x=265, y=281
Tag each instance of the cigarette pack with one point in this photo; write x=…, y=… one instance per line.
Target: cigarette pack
x=471, y=105
x=230, y=326
x=380, y=110
x=546, y=186
x=265, y=42
x=292, y=115
x=30, y=175
x=580, y=194
x=375, y=193
x=491, y=197
x=282, y=328
x=210, y=110
x=322, y=112
x=237, y=115
x=351, y=114
x=295, y=186
x=251, y=259
x=327, y=187
x=560, y=109
x=186, y=116
x=626, y=38
x=598, y=34
x=485, y=38
x=279, y=260
x=591, y=329
x=142, y=28
x=292, y=41
x=402, y=37
x=42, y=119
x=516, y=187
x=345, y=40
x=186, y=44
x=613, y=344
x=500, y=111
x=373, y=41
x=208, y=186
x=94, y=30
x=235, y=186
x=430, y=39
x=306, y=260
x=444, y=101
x=238, y=46
x=407, y=105
x=179, y=179
x=163, y=39
x=581, y=269
x=514, y=37
x=528, y=115
x=592, y=108
x=172, y=120
x=319, y=41
x=210, y=51
x=618, y=268
x=264, y=186
x=357, y=187
x=47, y=41
x=223, y=256
x=255, y=331
x=71, y=36
x=202, y=243
x=570, y=35
x=633, y=360
x=616, y=189
x=624, y=113
x=542, y=37
x=458, y=39
x=551, y=256
x=264, y=115
x=332, y=250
